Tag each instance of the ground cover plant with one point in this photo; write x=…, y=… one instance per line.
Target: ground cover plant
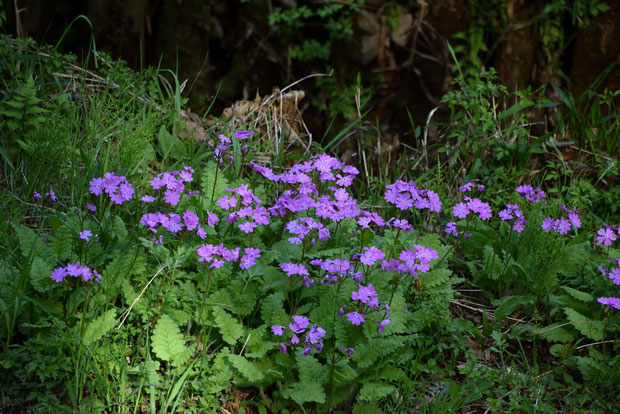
x=144, y=272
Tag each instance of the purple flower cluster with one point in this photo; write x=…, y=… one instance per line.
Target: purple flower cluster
x=412, y=262
x=614, y=273
x=405, y=195
x=513, y=212
x=312, y=339
x=371, y=255
x=303, y=226
x=247, y=206
x=116, y=187
x=174, y=223
x=75, y=270
x=564, y=224
x=611, y=302
x=219, y=150
x=367, y=295
x=86, y=235
x=217, y=255
x=472, y=205
x=336, y=269
x=469, y=186
x=249, y=258
x=174, y=182
x=606, y=236
x=531, y=194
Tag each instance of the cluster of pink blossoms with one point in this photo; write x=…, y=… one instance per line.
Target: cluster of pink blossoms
x=75, y=270
x=173, y=182
x=217, y=255
x=406, y=194
x=116, y=187
x=247, y=207
x=312, y=339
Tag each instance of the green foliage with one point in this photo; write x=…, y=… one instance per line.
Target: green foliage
x=98, y=327
x=168, y=342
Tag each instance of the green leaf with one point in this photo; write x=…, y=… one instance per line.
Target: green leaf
x=245, y=368
x=435, y=277
x=577, y=294
x=229, y=327
x=98, y=327
x=510, y=304
x=210, y=180
x=588, y=327
x=554, y=333
x=272, y=310
x=119, y=230
x=374, y=391
x=168, y=342
x=40, y=273
x=302, y=392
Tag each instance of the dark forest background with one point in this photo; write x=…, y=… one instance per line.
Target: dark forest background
x=234, y=50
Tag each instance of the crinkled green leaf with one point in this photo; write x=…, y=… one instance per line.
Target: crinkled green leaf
x=168, y=342
x=577, y=294
x=98, y=327
x=245, y=367
x=229, y=327
x=374, y=391
x=40, y=273
x=588, y=327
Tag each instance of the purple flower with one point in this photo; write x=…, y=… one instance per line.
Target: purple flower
x=242, y=134
x=85, y=235
x=460, y=210
x=283, y=348
x=605, y=237
x=36, y=196
x=172, y=222
x=278, y=330
x=147, y=199
x=59, y=274
x=52, y=195
x=96, y=185
x=299, y=324
x=292, y=269
x=548, y=224
x=383, y=324
x=371, y=255
x=91, y=207
x=315, y=335
x=367, y=295
x=227, y=202
x=562, y=226
x=190, y=219
x=356, y=318
x=451, y=228
x=611, y=302
x=172, y=197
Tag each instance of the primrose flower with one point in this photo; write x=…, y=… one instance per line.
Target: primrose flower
x=460, y=210
x=367, y=295
x=242, y=134
x=91, y=207
x=611, y=302
x=383, y=324
x=278, y=330
x=356, y=318
x=85, y=235
x=36, y=196
x=371, y=255
x=605, y=237
x=451, y=228
x=52, y=195
x=292, y=269
x=190, y=219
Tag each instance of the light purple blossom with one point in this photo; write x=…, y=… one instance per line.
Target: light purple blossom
x=605, y=237
x=371, y=255
x=356, y=318
x=85, y=235
x=611, y=302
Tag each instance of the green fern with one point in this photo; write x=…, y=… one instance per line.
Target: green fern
x=40, y=272
x=211, y=185
x=366, y=354
x=98, y=327
x=588, y=327
x=230, y=329
x=374, y=391
x=272, y=310
x=168, y=342
x=245, y=368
